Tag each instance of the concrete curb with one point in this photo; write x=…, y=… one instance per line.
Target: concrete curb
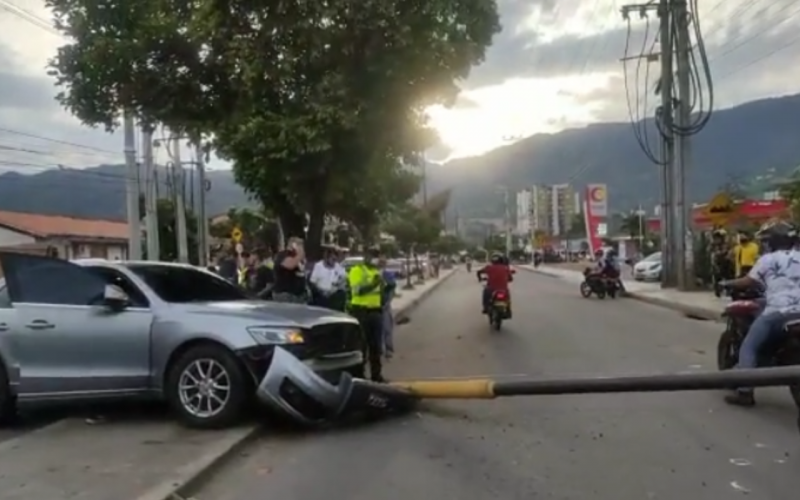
x=190, y=477
x=402, y=313
x=685, y=309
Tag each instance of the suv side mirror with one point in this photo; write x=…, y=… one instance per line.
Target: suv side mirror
x=115, y=298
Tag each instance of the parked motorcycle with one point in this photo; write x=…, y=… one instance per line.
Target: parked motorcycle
x=595, y=283
x=739, y=314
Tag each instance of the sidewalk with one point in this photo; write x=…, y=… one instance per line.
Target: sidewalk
x=140, y=458
x=119, y=460
x=703, y=305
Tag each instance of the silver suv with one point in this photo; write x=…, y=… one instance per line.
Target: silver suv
x=94, y=330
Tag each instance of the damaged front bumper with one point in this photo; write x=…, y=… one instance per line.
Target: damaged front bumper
x=292, y=388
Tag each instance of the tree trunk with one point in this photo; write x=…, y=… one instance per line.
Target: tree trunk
x=316, y=228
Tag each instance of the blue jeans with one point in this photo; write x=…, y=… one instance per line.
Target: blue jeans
x=763, y=329
x=388, y=329
x=486, y=297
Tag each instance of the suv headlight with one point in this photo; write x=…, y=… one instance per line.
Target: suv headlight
x=269, y=335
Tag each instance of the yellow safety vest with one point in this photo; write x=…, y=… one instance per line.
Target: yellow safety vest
x=241, y=276
x=361, y=276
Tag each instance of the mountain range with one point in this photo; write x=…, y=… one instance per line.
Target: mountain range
x=750, y=146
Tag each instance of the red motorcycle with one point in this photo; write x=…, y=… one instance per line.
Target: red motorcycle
x=739, y=314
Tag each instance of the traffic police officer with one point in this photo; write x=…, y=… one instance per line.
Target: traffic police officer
x=366, y=283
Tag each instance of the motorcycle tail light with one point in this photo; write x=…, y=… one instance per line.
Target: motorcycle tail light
x=501, y=296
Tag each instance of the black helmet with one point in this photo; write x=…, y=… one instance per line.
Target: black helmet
x=497, y=258
x=779, y=235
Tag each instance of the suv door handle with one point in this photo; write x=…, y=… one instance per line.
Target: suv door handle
x=4, y=327
x=40, y=324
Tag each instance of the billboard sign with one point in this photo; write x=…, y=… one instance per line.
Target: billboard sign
x=597, y=200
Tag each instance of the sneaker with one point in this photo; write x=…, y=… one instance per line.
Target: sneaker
x=741, y=398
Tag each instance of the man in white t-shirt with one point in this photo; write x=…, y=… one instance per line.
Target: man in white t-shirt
x=328, y=280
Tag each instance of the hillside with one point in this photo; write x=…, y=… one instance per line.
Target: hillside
x=752, y=143
x=749, y=145
x=99, y=192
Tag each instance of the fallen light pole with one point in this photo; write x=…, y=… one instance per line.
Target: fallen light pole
x=293, y=389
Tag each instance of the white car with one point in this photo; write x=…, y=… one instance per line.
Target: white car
x=648, y=269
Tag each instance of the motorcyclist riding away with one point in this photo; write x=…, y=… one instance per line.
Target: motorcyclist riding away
x=778, y=273
x=498, y=275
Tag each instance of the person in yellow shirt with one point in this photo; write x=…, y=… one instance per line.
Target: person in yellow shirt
x=746, y=254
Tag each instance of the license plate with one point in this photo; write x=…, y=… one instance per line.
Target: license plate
x=501, y=304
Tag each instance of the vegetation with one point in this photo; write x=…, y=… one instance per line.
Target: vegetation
x=319, y=106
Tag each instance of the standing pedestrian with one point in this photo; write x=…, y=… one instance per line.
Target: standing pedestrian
x=366, y=284
x=290, y=277
x=388, y=293
x=327, y=280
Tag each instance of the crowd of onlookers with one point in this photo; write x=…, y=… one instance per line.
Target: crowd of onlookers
x=287, y=276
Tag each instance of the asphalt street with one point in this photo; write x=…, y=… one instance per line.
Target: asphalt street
x=621, y=447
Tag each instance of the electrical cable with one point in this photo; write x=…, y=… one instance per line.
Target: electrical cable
x=638, y=125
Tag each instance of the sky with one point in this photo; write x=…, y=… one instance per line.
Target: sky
x=555, y=65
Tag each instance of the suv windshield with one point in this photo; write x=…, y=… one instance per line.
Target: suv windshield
x=183, y=284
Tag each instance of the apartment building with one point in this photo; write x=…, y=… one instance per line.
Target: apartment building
x=547, y=208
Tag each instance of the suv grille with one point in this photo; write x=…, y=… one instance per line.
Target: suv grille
x=333, y=338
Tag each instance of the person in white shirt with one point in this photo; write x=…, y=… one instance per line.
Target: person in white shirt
x=328, y=281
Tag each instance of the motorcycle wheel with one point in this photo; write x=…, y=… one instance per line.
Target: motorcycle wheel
x=612, y=292
x=586, y=290
x=497, y=321
x=601, y=294
x=726, y=350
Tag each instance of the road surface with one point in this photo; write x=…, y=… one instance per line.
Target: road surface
x=625, y=447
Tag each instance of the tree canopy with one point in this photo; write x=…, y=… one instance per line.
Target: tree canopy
x=317, y=105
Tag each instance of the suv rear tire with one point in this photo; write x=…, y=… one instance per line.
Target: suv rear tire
x=8, y=402
x=229, y=372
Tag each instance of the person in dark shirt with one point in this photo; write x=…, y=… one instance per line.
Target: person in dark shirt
x=227, y=266
x=264, y=278
x=290, y=278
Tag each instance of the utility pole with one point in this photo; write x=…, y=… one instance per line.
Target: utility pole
x=683, y=207
x=202, y=218
x=179, y=183
x=507, y=219
x=671, y=239
x=424, y=180
x=150, y=195
x=669, y=276
x=132, y=188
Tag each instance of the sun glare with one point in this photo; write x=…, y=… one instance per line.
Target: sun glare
x=515, y=109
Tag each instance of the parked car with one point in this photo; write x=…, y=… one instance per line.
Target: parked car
x=649, y=268
x=93, y=330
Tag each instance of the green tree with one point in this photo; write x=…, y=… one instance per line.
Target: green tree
x=303, y=98
x=258, y=230
x=167, y=237
x=790, y=191
x=448, y=244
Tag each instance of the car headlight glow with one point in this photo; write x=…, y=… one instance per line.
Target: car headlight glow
x=271, y=335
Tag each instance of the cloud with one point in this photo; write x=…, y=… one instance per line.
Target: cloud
x=556, y=64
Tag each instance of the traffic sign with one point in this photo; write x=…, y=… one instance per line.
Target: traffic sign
x=720, y=209
x=236, y=235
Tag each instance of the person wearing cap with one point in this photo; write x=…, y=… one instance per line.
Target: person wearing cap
x=366, y=288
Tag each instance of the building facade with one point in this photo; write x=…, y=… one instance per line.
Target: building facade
x=549, y=209
x=70, y=237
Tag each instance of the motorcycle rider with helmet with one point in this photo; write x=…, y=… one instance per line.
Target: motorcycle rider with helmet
x=498, y=275
x=778, y=274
